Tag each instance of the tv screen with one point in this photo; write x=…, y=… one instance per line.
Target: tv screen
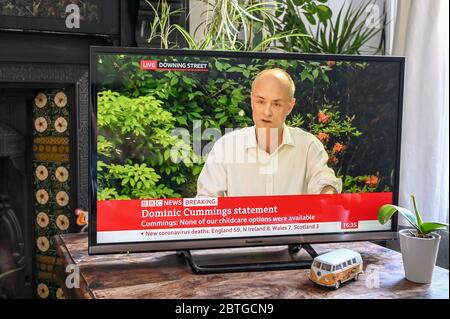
x=208, y=149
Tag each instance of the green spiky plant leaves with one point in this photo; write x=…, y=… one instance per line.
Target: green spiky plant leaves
x=386, y=212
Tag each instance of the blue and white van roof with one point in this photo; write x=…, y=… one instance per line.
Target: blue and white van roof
x=337, y=256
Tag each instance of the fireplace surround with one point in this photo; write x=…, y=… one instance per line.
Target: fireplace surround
x=44, y=142
x=33, y=66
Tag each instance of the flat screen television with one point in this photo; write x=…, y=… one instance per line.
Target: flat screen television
x=208, y=149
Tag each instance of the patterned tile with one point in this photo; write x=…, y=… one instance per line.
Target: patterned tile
x=52, y=176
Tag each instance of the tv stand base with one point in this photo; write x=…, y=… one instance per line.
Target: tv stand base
x=249, y=259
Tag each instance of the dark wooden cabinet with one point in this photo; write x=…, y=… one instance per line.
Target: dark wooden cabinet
x=163, y=275
x=95, y=16
x=119, y=22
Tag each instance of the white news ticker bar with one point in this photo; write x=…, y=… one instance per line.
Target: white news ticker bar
x=148, y=235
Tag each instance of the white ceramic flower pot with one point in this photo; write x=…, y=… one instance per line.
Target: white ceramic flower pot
x=419, y=255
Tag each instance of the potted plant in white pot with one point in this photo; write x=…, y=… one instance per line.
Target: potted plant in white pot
x=419, y=246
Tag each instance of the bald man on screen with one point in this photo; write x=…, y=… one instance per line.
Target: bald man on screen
x=268, y=158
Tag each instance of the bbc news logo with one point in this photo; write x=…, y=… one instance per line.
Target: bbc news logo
x=152, y=203
x=155, y=65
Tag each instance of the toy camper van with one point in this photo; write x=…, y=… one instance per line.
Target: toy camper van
x=336, y=267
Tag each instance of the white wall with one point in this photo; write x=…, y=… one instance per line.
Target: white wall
x=197, y=7
x=390, y=7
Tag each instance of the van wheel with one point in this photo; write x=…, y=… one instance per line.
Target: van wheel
x=337, y=284
x=356, y=277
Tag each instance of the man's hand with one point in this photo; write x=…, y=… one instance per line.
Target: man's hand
x=328, y=190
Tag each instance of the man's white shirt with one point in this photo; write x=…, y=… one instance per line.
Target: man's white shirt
x=237, y=166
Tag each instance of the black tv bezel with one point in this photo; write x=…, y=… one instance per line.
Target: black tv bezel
x=210, y=243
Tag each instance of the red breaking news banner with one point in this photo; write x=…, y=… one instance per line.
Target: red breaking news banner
x=267, y=215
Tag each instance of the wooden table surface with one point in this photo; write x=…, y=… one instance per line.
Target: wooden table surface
x=164, y=275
